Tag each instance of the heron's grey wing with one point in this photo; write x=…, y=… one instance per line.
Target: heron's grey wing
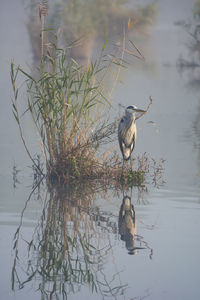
x=121, y=133
x=121, y=143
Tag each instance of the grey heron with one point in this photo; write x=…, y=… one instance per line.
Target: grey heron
x=127, y=131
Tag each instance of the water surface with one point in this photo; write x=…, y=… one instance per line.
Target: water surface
x=167, y=219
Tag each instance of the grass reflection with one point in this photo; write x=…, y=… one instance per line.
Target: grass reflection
x=67, y=250
x=72, y=244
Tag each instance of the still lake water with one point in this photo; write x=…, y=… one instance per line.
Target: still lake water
x=167, y=219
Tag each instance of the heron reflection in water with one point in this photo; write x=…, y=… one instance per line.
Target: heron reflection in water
x=127, y=228
x=127, y=224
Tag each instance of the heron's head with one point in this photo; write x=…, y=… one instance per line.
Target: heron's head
x=132, y=109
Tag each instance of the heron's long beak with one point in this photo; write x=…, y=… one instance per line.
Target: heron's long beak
x=139, y=110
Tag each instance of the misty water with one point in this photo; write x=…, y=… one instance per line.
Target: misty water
x=165, y=261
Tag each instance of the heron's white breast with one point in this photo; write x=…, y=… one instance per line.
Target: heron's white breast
x=129, y=134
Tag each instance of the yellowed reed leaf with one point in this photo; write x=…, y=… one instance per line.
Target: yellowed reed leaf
x=130, y=22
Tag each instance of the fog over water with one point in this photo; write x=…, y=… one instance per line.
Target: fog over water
x=168, y=217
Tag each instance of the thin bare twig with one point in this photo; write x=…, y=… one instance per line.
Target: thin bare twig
x=142, y=114
x=130, y=52
x=139, y=55
x=137, y=49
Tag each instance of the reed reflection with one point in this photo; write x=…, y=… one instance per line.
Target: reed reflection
x=68, y=249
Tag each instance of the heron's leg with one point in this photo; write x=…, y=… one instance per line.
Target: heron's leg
x=122, y=175
x=123, y=167
x=131, y=163
x=132, y=159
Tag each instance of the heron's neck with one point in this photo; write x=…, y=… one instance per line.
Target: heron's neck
x=130, y=117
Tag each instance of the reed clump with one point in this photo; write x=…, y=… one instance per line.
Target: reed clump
x=69, y=107
x=110, y=173
x=67, y=104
